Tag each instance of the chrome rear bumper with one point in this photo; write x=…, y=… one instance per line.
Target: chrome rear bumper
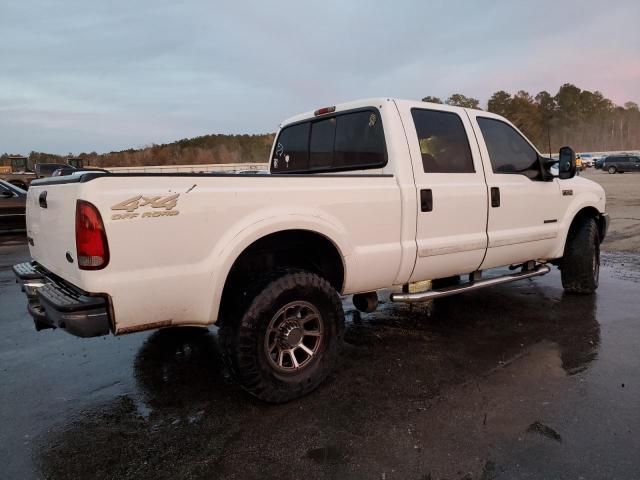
x=54, y=303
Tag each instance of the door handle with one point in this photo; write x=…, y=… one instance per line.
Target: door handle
x=426, y=200
x=495, y=197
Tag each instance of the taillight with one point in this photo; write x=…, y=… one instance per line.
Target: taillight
x=91, y=240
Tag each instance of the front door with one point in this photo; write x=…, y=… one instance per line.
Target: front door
x=524, y=208
x=450, y=191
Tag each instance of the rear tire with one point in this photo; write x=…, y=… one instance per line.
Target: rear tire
x=580, y=267
x=287, y=341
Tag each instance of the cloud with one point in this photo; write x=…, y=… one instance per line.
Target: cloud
x=81, y=76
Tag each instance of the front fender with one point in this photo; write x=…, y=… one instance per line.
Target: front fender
x=589, y=202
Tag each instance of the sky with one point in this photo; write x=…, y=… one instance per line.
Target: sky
x=81, y=76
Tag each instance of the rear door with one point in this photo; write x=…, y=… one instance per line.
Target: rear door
x=450, y=191
x=524, y=208
x=623, y=164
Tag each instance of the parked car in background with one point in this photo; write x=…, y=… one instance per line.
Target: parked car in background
x=12, y=207
x=598, y=163
x=44, y=170
x=587, y=160
x=23, y=171
x=66, y=170
x=70, y=170
x=622, y=163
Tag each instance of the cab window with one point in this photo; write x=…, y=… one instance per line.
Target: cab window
x=509, y=152
x=323, y=134
x=292, y=149
x=444, y=145
x=352, y=140
x=359, y=141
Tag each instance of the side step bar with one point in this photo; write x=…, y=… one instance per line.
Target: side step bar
x=468, y=287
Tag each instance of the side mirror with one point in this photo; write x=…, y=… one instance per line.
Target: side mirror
x=566, y=163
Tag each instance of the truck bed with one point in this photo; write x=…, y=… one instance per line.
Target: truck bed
x=182, y=253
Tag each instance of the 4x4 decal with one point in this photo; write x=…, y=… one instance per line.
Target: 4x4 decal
x=164, y=205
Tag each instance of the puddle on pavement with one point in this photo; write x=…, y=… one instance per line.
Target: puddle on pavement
x=328, y=454
x=437, y=392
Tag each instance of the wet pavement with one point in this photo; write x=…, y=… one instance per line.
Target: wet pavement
x=517, y=381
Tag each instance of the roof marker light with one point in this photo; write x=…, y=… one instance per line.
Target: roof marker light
x=324, y=111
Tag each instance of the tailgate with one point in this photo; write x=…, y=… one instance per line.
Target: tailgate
x=51, y=211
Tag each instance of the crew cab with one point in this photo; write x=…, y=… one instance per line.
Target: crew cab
x=362, y=196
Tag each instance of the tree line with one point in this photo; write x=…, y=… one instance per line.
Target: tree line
x=206, y=149
x=584, y=120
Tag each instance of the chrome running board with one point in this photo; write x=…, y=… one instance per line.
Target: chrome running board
x=468, y=287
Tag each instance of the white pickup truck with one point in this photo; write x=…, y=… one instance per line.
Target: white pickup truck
x=362, y=196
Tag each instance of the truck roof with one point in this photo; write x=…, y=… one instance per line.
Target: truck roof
x=365, y=102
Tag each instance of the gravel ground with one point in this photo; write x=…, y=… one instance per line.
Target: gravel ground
x=623, y=205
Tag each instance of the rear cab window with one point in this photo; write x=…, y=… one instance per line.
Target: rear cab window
x=346, y=141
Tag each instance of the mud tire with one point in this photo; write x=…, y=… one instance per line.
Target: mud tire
x=243, y=341
x=580, y=267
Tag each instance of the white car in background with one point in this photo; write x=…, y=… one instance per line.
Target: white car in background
x=587, y=160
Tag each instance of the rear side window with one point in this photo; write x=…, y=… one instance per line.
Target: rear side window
x=509, y=152
x=292, y=149
x=444, y=145
x=347, y=141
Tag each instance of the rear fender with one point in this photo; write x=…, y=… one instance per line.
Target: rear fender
x=243, y=235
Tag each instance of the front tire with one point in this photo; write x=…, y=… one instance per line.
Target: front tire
x=288, y=339
x=580, y=267
x=612, y=170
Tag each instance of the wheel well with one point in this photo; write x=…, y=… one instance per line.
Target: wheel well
x=585, y=213
x=286, y=249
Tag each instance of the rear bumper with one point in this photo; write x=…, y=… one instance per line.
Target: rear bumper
x=54, y=303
